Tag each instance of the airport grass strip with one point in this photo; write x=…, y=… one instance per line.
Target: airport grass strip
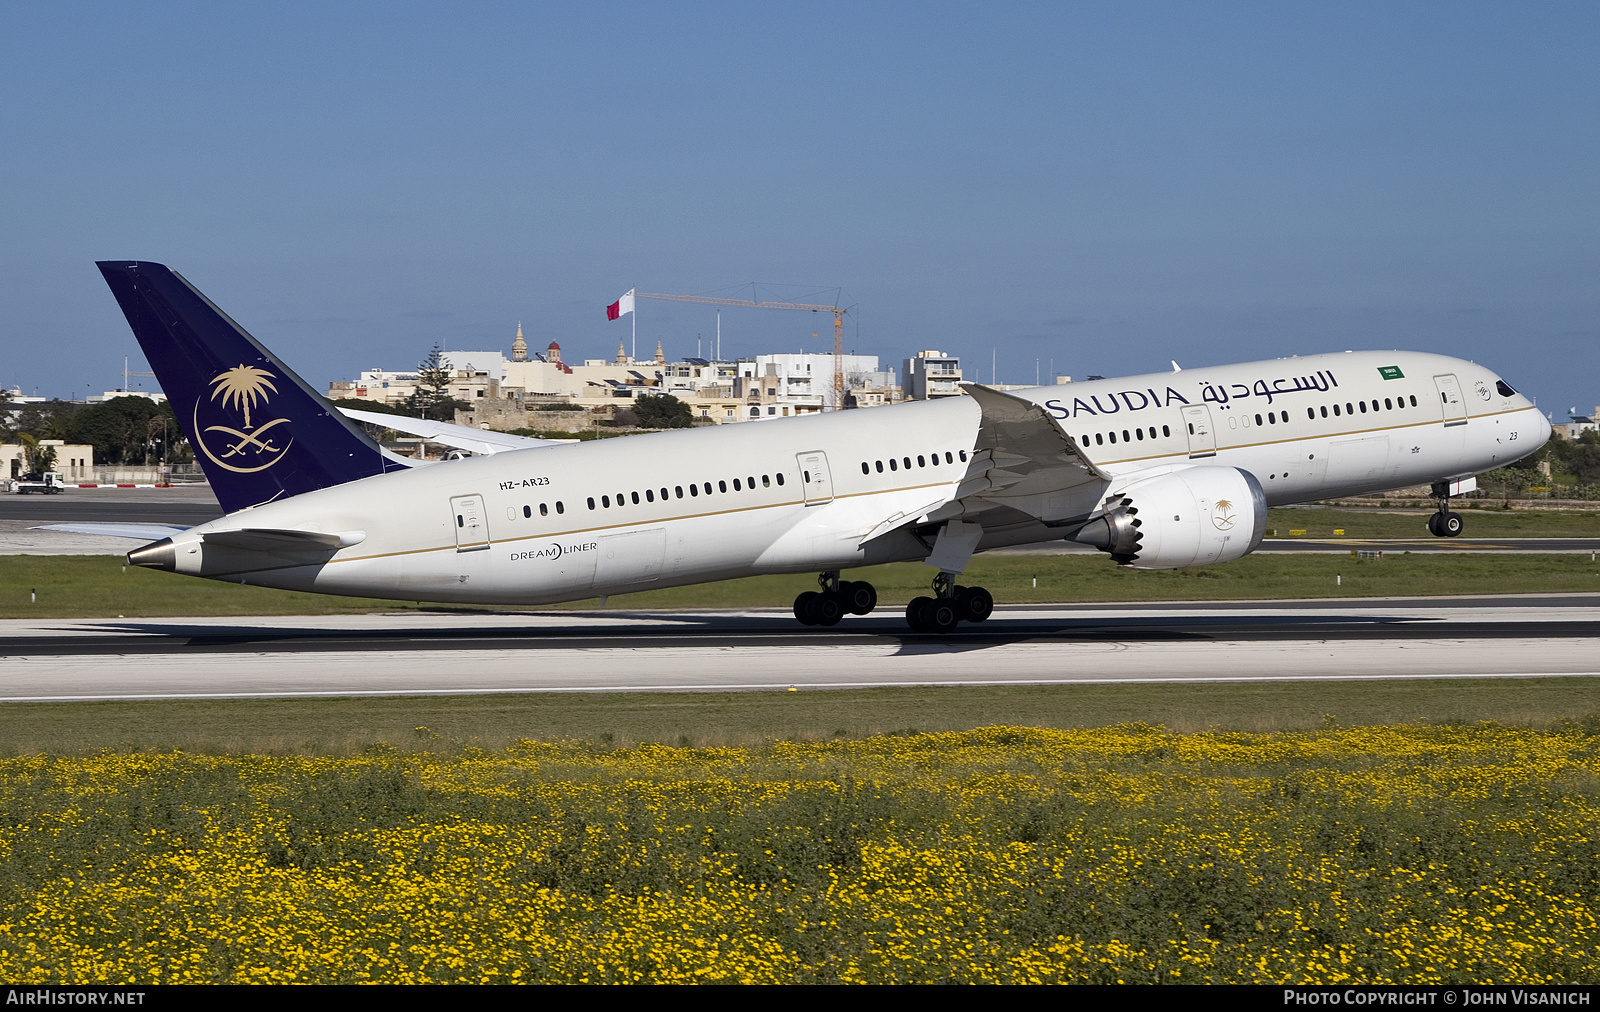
x=91, y=586
x=1395, y=853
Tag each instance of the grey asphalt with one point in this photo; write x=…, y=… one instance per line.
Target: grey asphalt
x=448, y=652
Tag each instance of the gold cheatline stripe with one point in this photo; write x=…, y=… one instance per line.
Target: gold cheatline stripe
x=580, y=530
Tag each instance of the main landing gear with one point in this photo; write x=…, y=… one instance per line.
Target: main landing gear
x=836, y=599
x=1444, y=523
x=949, y=606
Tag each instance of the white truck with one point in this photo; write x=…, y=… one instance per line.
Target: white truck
x=50, y=483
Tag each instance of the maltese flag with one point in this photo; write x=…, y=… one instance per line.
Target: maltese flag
x=622, y=305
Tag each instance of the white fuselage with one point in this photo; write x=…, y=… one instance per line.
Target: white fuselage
x=836, y=491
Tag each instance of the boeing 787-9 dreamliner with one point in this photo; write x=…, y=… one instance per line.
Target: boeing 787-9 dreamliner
x=1160, y=471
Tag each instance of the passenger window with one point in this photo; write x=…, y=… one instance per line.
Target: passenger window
x=605, y=501
x=963, y=455
x=544, y=510
x=805, y=476
x=892, y=465
x=907, y=461
x=665, y=497
x=678, y=489
x=880, y=467
x=560, y=507
x=865, y=469
x=527, y=511
x=1113, y=435
x=649, y=495
x=635, y=498
x=1140, y=433
x=722, y=486
x=708, y=488
x=1388, y=404
x=779, y=476
x=1165, y=431
x=1258, y=419
x=1336, y=411
x=738, y=488
x=1413, y=400
x=1349, y=408
x=1363, y=407
x=591, y=502
x=694, y=489
x=1311, y=413
x=921, y=462
x=1374, y=404
x=1324, y=411
x=934, y=458
x=947, y=459
x=1125, y=438
x=1272, y=418
x=1152, y=432
x=765, y=483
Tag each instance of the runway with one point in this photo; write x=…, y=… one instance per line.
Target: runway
x=461, y=653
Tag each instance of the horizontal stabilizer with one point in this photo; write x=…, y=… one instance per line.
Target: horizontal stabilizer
x=462, y=437
x=144, y=532
x=260, y=539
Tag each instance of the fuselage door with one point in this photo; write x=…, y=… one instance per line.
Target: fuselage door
x=1202, y=441
x=814, y=477
x=472, y=523
x=1450, y=402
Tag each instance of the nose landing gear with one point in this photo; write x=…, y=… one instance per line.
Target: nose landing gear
x=949, y=606
x=837, y=598
x=1444, y=523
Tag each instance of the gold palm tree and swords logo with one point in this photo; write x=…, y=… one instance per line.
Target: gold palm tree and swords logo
x=250, y=448
x=1222, y=515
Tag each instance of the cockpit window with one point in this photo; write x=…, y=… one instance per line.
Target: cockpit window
x=1504, y=388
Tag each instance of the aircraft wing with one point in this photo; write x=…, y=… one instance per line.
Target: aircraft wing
x=1023, y=463
x=462, y=437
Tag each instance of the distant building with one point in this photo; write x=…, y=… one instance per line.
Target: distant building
x=1577, y=426
x=521, y=391
x=932, y=374
x=109, y=395
x=74, y=461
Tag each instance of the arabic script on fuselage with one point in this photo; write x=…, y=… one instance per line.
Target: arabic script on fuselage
x=1214, y=393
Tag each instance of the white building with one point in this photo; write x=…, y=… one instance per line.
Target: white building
x=932, y=374
x=807, y=379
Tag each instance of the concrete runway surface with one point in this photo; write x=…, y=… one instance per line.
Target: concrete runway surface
x=454, y=652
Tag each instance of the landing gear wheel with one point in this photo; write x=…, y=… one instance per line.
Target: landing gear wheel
x=974, y=603
x=805, y=607
x=941, y=616
x=827, y=609
x=1433, y=525
x=916, y=612
x=859, y=597
x=1451, y=525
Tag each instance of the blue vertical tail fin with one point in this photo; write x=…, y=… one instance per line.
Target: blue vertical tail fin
x=259, y=432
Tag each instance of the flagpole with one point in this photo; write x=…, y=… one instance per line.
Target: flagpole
x=635, y=315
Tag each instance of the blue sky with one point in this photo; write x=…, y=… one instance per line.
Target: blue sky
x=1105, y=187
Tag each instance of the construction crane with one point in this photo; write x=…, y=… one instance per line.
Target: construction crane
x=838, y=326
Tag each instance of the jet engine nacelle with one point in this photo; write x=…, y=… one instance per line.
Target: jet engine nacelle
x=1185, y=516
